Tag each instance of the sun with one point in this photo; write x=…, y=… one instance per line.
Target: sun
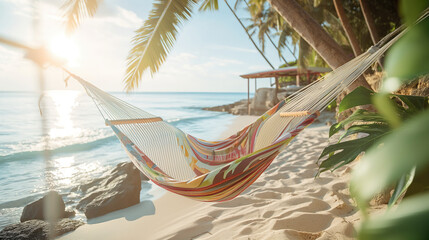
x=64, y=48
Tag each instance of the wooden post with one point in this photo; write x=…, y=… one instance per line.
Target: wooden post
x=277, y=86
x=248, y=96
x=308, y=78
x=297, y=79
x=256, y=87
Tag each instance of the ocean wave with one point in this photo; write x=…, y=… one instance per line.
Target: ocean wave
x=176, y=121
x=20, y=202
x=30, y=149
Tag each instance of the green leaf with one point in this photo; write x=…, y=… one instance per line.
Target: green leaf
x=409, y=221
x=154, y=40
x=414, y=103
x=388, y=108
x=359, y=96
x=402, y=186
x=345, y=152
x=209, y=5
x=381, y=167
x=420, y=183
x=359, y=116
x=408, y=58
x=411, y=10
x=76, y=10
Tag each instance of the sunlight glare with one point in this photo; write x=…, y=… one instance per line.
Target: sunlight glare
x=64, y=48
x=64, y=102
x=64, y=170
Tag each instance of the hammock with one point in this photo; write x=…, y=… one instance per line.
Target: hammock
x=221, y=170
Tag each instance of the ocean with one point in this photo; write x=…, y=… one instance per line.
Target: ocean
x=80, y=145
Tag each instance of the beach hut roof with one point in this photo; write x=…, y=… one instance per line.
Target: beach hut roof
x=287, y=71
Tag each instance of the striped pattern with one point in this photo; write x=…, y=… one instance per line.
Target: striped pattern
x=223, y=169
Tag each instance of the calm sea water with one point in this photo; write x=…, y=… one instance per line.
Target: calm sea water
x=80, y=145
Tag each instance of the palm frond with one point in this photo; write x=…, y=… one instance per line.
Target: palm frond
x=154, y=40
x=237, y=4
x=335, y=28
x=76, y=10
x=209, y=5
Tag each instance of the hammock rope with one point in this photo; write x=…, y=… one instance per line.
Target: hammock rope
x=220, y=170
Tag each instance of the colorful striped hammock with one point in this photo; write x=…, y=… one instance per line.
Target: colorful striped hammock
x=221, y=170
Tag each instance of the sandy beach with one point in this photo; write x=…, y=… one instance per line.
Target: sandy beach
x=286, y=202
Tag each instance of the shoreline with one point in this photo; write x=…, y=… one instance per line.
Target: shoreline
x=153, y=211
x=285, y=202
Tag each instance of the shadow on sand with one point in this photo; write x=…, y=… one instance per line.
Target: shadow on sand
x=145, y=208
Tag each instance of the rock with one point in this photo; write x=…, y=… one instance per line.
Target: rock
x=120, y=189
x=66, y=225
x=35, y=210
x=143, y=177
x=265, y=98
x=38, y=229
x=240, y=110
x=229, y=107
x=69, y=213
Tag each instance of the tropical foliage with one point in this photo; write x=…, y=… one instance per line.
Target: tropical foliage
x=395, y=141
x=76, y=10
x=365, y=122
x=265, y=20
x=155, y=39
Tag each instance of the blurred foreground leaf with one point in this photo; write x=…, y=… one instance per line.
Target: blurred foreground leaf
x=411, y=10
x=409, y=221
x=381, y=167
x=408, y=58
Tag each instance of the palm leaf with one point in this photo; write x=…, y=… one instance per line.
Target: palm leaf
x=209, y=5
x=154, y=40
x=76, y=10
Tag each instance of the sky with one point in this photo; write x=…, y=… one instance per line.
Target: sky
x=210, y=53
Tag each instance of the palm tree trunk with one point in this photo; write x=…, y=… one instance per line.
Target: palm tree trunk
x=315, y=35
x=347, y=27
x=371, y=25
x=369, y=21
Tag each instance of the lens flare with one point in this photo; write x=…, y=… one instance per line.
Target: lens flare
x=64, y=48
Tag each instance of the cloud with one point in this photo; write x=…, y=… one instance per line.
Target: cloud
x=236, y=49
x=119, y=16
x=48, y=9
x=9, y=58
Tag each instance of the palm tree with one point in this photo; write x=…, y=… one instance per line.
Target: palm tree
x=154, y=40
x=267, y=21
x=315, y=35
x=369, y=21
x=76, y=10
x=347, y=27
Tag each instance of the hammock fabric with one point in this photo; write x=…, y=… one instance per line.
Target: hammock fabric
x=237, y=166
x=221, y=170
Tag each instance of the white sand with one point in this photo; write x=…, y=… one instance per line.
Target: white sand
x=286, y=202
